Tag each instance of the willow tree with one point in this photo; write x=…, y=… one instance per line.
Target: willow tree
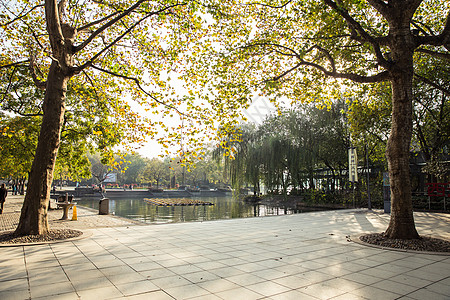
x=305, y=49
x=111, y=46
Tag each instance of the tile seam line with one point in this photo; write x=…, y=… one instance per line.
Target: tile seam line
x=65, y=273
x=26, y=269
x=424, y=287
x=110, y=253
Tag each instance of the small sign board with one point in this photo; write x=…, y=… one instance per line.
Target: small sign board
x=352, y=165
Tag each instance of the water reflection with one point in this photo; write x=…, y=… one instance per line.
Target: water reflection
x=223, y=208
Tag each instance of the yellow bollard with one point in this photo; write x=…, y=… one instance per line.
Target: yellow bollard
x=74, y=213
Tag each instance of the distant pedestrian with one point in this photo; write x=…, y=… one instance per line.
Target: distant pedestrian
x=3, y=194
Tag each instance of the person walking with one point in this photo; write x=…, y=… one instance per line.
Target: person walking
x=3, y=194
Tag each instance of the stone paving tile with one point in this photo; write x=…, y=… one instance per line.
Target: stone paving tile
x=157, y=273
x=389, y=285
x=108, y=292
x=206, y=297
x=428, y=294
x=66, y=296
x=14, y=295
x=321, y=291
x=170, y=281
x=218, y=285
x=137, y=287
x=46, y=290
x=240, y=293
x=88, y=284
x=287, y=257
x=292, y=282
x=292, y=295
x=348, y=296
x=158, y=295
x=362, y=278
x=374, y=293
x=201, y=276
x=20, y=284
x=227, y=272
x=267, y=288
x=245, y=279
x=186, y=291
x=9, y=221
x=343, y=285
x=411, y=281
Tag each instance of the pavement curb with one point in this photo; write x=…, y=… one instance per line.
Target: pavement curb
x=356, y=239
x=85, y=234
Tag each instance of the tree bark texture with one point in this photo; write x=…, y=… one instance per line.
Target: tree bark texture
x=401, y=225
x=33, y=218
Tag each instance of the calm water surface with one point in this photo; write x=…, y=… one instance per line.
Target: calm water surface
x=223, y=208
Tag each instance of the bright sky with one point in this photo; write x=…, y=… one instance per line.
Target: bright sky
x=256, y=113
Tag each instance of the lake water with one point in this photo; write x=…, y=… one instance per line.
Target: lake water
x=223, y=208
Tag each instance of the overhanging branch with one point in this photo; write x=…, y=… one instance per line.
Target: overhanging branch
x=84, y=27
x=383, y=76
x=39, y=84
x=442, y=39
x=107, y=25
x=433, y=84
x=138, y=84
x=15, y=64
x=435, y=53
x=21, y=16
x=364, y=35
x=271, y=6
x=91, y=61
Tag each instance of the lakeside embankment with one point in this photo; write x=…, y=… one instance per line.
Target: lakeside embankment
x=87, y=218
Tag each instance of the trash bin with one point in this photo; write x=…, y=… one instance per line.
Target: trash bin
x=103, y=207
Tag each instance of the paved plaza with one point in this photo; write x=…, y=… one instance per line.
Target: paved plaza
x=303, y=256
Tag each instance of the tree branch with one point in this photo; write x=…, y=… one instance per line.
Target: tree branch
x=21, y=16
x=286, y=72
x=263, y=44
x=91, y=61
x=138, y=83
x=106, y=26
x=53, y=23
x=333, y=73
x=365, y=36
x=61, y=7
x=433, y=84
x=379, y=5
x=9, y=84
x=39, y=84
x=14, y=64
x=270, y=6
x=434, y=53
x=84, y=27
x=383, y=76
x=420, y=29
x=443, y=39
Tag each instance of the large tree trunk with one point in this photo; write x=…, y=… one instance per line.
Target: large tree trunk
x=33, y=219
x=401, y=225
